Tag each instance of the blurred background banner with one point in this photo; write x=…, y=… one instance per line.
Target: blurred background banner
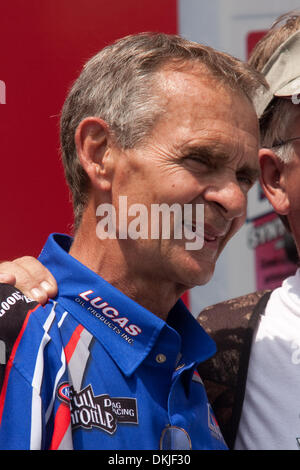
x=44, y=44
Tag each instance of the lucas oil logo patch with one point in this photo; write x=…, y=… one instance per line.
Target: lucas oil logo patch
x=101, y=411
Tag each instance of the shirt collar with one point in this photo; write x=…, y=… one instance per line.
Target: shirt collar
x=197, y=345
x=126, y=330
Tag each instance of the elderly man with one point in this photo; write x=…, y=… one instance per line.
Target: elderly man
x=253, y=381
x=110, y=364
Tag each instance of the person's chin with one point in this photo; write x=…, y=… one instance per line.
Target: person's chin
x=191, y=271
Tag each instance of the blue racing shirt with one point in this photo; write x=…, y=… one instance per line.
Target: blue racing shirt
x=95, y=370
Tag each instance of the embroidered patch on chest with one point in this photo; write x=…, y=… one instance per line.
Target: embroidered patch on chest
x=100, y=411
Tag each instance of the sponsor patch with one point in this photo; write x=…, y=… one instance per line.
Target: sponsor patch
x=101, y=411
x=14, y=308
x=7, y=303
x=109, y=315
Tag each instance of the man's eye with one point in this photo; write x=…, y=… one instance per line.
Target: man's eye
x=245, y=179
x=198, y=160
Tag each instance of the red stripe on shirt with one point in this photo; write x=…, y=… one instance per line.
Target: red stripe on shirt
x=70, y=347
x=63, y=417
x=61, y=424
x=11, y=360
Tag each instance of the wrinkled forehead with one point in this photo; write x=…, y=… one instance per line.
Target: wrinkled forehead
x=196, y=82
x=202, y=116
x=185, y=79
x=196, y=96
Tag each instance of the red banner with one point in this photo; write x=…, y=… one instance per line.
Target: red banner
x=43, y=47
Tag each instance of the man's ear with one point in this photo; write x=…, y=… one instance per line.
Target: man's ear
x=93, y=145
x=273, y=181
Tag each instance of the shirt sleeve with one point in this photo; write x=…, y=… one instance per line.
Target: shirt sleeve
x=31, y=414
x=14, y=308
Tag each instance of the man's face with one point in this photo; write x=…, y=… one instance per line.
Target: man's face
x=202, y=150
x=291, y=178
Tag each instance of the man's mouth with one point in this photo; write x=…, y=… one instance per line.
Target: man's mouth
x=213, y=235
x=209, y=233
x=205, y=235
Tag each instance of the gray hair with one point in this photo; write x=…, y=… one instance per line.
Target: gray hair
x=274, y=126
x=118, y=85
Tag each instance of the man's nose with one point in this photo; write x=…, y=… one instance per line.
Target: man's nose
x=229, y=198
